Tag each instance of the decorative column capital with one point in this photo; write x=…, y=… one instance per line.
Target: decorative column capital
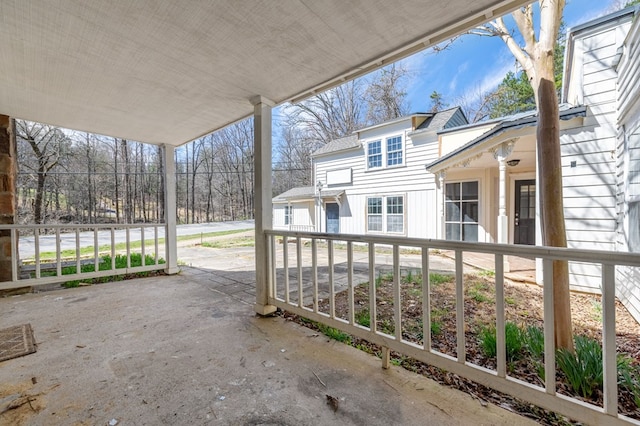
x=502, y=151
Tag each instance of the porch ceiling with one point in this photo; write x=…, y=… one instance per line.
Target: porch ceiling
x=169, y=71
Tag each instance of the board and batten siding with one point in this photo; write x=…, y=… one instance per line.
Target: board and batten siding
x=410, y=180
x=302, y=216
x=628, y=168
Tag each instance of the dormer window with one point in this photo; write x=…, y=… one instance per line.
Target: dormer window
x=374, y=154
x=388, y=152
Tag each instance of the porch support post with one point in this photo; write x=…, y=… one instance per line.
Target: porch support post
x=263, y=195
x=7, y=194
x=502, y=203
x=442, y=231
x=170, y=210
x=501, y=153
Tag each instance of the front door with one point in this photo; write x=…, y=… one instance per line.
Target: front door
x=525, y=212
x=333, y=218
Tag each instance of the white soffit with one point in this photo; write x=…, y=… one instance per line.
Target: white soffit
x=169, y=71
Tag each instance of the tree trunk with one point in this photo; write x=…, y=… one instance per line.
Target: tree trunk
x=551, y=199
x=37, y=210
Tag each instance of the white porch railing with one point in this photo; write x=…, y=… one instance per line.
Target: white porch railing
x=30, y=268
x=295, y=286
x=302, y=228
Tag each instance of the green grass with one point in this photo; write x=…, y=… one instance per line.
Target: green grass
x=334, y=333
x=437, y=279
x=106, y=248
x=478, y=292
x=363, y=317
x=231, y=243
x=105, y=265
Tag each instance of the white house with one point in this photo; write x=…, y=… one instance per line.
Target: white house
x=371, y=182
x=436, y=176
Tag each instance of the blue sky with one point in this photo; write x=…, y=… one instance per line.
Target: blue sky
x=475, y=62
x=472, y=63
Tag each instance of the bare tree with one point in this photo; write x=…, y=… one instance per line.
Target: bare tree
x=43, y=140
x=386, y=95
x=476, y=104
x=536, y=57
x=330, y=115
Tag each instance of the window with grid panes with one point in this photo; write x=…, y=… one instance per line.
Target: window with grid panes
x=461, y=211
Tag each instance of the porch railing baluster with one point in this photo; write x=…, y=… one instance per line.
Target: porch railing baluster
x=460, y=337
x=299, y=262
x=78, y=259
x=314, y=268
x=14, y=255
x=96, y=250
x=142, y=246
x=372, y=288
x=272, y=256
x=58, y=255
x=426, y=300
x=501, y=355
x=609, y=358
x=36, y=243
x=350, y=282
x=285, y=267
x=332, y=296
x=128, y=243
x=549, y=338
x=113, y=249
x=397, y=295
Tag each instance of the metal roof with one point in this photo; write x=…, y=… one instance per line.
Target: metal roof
x=169, y=71
x=512, y=122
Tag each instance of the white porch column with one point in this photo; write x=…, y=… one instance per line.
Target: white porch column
x=501, y=153
x=441, y=233
x=170, y=210
x=263, y=194
x=503, y=222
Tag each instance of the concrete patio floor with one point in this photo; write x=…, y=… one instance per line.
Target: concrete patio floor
x=188, y=349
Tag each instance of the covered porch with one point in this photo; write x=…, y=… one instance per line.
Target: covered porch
x=188, y=349
x=166, y=73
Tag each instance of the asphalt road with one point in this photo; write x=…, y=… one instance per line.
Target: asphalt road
x=47, y=243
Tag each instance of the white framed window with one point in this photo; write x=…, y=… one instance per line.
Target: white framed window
x=288, y=215
x=374, y=154
x=385, y=214
x=461, y=211
x=374, y=214
x=394, y=151
x=395, y=214
x=387, y=153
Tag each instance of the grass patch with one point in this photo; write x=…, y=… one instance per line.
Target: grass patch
x=106, y=248
x=105, y=265
x=437, y=279
x=231, y=243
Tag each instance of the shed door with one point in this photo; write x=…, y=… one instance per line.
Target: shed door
x=333, y=218
x=525, y=214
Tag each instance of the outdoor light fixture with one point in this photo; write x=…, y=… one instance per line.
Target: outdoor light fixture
x=513, y=163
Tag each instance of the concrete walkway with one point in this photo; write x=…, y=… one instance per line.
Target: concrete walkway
x=188, y=349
